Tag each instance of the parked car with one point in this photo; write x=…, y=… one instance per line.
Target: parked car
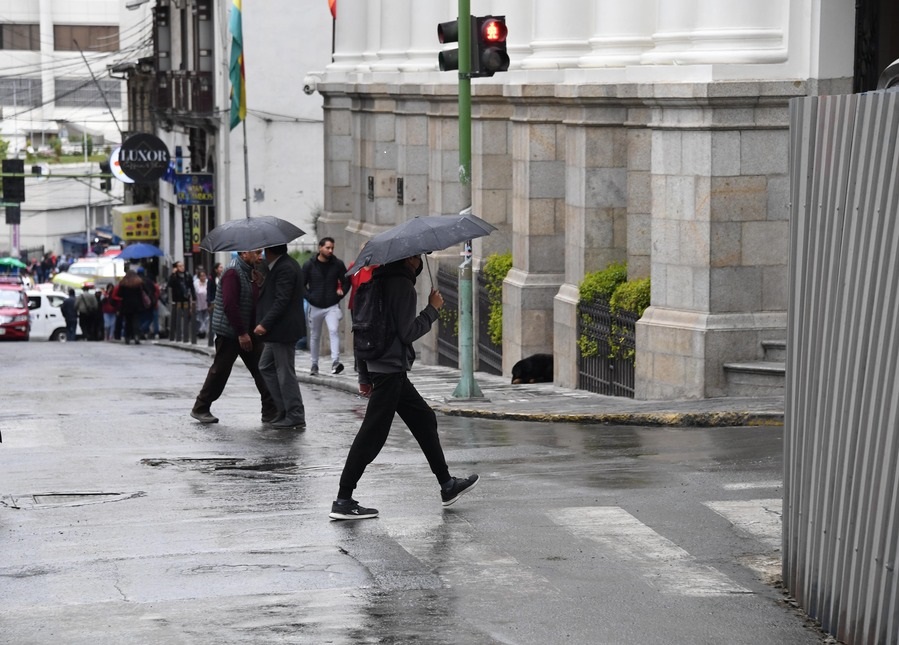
x=47, y=322
x=14, y=321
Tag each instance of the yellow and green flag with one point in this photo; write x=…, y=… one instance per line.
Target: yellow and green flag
x=236, y=71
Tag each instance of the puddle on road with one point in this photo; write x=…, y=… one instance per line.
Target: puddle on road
x=227, y=465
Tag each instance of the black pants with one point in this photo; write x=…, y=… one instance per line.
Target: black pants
x=392, y=394
x=226, y=352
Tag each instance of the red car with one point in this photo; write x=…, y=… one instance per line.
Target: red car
x=14, y=322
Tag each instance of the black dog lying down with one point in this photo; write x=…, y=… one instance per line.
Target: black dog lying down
x=534, y=369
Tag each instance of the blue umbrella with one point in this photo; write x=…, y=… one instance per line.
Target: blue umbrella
x=139, y=251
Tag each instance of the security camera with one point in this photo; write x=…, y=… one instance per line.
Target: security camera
x=310, y=83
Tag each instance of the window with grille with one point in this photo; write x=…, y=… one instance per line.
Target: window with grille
x=95, y=38
x=21, y=92
x=80, y=92
x=20, y=36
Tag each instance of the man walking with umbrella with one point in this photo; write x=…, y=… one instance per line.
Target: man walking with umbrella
x=233, y=320
x=393, y=393
x=281, y=324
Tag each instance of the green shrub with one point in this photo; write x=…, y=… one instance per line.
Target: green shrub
x=611, y=285
x=496, y=267
x=300, y=256
x=600, y=285
x=629, y=296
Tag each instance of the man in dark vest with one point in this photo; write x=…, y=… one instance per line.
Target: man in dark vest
x=281, y=324
x=233, y=320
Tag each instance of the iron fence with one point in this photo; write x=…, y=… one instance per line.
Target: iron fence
x=448, y=323
x=490, y=355
x=610, y=368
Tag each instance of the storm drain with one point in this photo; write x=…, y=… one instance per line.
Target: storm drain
x=55, y=500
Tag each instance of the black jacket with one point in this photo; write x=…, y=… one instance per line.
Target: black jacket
x=321, y=280
x=281, y=302
x=401, y=301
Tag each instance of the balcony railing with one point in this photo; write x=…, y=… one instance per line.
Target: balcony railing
x=185, y=92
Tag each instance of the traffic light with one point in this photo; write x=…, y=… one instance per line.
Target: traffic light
x=13, y=187
x=105, y=182
x=489, y=53
x=448, y=32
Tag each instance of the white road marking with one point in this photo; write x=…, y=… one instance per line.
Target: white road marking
x=753, y=485
x=665, y=565
x=448, y=548
x=757, y=518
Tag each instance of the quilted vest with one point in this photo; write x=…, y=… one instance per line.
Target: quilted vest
x=220, y=324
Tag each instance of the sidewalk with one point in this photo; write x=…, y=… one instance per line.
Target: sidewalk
x=546, y=402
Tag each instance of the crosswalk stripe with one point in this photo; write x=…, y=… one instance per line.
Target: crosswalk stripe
x=774, y=483
x=758, y=518
x=660, y=561
x=449, y=549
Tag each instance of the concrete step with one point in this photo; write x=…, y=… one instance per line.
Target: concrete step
x=755, y=378
x=775, y=350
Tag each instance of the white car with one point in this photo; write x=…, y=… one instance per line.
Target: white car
x=47, y=322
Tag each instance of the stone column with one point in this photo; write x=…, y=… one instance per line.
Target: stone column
x=350, y=34
x=622, y=32
x=538, y=231
x=719, y=243
x=557, y=43
x=395, y=34
x=675, y=23
x=595, y=219
x=740, y=31
x=372, y=31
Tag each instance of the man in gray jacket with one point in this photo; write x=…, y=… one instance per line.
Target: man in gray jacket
x=393, y=393
x=281, y=325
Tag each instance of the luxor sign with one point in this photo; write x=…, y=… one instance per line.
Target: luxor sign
x=144, y=158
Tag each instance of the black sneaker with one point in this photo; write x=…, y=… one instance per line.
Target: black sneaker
x=457, y=489
x=337, y=368
x=350, y=510
x=314, y=370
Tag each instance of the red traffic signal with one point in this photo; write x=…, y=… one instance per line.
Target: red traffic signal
x=490, y=40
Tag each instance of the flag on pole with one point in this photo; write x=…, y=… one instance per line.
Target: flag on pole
x=236, y=71
x=332, y=5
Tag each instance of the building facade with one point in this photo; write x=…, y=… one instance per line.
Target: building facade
x=653, y=132
x=55, y=84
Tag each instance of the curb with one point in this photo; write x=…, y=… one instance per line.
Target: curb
x=694, y=419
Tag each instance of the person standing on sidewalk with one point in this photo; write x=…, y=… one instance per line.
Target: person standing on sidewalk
x=87, y=307
x=181, y=287
x=326, y=284
x=281, y=324
x=393, y=393
x=233, y=318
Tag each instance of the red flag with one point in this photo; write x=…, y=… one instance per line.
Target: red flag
x=332, y=5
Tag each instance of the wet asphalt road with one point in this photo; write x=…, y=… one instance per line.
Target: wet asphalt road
x=124, y=521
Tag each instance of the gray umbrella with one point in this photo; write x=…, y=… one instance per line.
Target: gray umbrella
x=420, y=235
x=250, y=234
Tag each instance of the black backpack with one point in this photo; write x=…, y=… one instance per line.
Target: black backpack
x=373, y=329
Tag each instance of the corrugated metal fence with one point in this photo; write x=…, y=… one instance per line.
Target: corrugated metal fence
x=841, y=439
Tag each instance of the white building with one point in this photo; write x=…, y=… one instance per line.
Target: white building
x=651, y=131
x=54, y=83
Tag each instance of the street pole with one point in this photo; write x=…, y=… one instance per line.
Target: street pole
x=467, y=387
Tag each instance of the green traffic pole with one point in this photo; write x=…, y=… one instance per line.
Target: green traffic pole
x=467, y=387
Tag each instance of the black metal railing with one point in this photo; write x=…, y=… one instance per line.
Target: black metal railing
x=490, y=355
x=610, y=367
x=448, y=323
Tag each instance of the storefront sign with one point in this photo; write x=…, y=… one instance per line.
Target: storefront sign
x=137, y=224
x=194, y=189
x=144, y=158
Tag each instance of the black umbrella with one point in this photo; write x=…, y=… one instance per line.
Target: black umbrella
x=250, y=234
x=420, y=235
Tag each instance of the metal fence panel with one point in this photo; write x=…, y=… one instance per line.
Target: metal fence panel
x=841, y=489
x=607, y=372
x=448, y=323
x=490, y=355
